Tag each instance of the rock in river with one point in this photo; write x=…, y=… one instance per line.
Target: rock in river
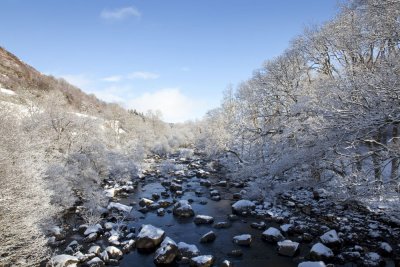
x=287, y=248
x=202, y=261
x=187, y=250
x=149, y=237
x=242, y=206
x=208, y=237
x=203, y=219
x=182, y=208
x=167, y=252
x=272, y=235
x=242, y=240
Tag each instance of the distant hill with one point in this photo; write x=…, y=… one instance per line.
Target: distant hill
x=17, y=76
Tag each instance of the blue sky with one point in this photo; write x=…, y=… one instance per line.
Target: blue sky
x=176, y=56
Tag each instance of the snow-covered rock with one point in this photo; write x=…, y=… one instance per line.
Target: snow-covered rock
x=145, y=202
x=90, y=238
x=330, y=238
x=287, y=248
x=188, y=250
x=94, y=250
x=128, y=245
x=63, y=261
x=58, y=233
x=182, y=208
x=167, y=252
x=208, y=237
x=372, y=259
x=243, y=206
x=242, y=240
x=272, y=235
x=203, y=219
x=312, y=264
x=93, y=229
x=385, y=248
x=259, y=226
x=111, y=192
x=95, y=262
x=113, y=252
x=320, y=252
x=149, y=237
x=119, y=207
x=286, y=227
x=202, y=261
x=226, y=263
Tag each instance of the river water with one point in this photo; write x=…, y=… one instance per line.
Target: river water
x=258, y=254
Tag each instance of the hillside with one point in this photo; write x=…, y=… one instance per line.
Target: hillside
x=18, y=76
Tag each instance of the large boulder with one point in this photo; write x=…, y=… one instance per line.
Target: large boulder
x=149, y=237
x=202, y=261
x=287, y=248
x=166, y=253
x=182, y=208
x=272, y=235
x=243, y=206
x=63, y=261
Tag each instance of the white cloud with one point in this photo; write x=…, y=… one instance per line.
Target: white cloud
x=120, y=13
x=143, y=75
x=79, y=80
x=115, y=78
x=175, y=106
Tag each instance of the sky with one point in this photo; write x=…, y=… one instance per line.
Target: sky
x=175, y=56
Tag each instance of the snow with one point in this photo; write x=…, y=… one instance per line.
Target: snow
x=119, y=206
x=322, y=250
x=312, y=264
x=7, y=91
